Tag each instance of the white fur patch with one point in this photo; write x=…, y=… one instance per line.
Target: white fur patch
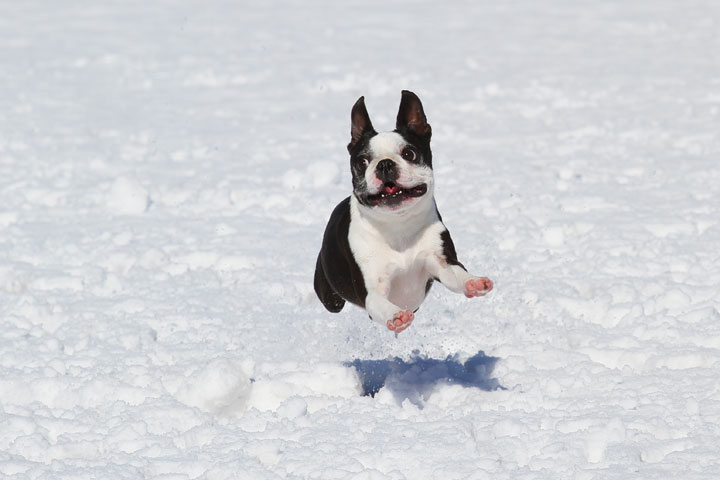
x=387, y=144
x=394, y=257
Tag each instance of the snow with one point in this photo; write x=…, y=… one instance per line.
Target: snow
x=166, y=172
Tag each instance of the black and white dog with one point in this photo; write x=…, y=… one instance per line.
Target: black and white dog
x=386, y=243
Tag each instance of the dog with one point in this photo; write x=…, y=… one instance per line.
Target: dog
x=386, y=244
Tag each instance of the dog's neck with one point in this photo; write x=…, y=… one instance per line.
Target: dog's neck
x=400, y=229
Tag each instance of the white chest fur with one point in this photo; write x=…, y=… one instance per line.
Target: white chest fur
x=393, y=255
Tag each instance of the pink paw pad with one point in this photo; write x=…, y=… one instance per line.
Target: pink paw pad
x=401, y=321
x=478, y=287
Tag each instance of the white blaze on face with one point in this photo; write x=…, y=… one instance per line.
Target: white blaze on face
x=390, y=145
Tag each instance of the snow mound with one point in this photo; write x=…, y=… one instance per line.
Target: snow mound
x=320, y=384
x=220, y=386
x=128, y=197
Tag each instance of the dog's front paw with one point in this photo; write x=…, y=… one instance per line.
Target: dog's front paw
x=478, y=287
x=400, y=321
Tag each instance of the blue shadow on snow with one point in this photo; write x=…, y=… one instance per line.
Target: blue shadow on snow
x=413, y=379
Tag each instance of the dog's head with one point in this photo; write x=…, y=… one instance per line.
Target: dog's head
x=391, y=171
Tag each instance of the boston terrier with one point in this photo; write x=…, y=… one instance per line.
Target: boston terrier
x=386, y=244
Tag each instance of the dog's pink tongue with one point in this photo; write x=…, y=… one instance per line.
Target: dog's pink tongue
x=390, y=190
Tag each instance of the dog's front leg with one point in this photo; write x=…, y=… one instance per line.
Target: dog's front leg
x=387, y=313
x=457, y=279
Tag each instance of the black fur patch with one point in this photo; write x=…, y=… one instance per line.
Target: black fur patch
x=449, y=250
x=337, y=274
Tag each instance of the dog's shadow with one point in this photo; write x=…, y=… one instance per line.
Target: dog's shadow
x=414, y=379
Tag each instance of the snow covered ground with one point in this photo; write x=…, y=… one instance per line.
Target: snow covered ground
x=166, y=172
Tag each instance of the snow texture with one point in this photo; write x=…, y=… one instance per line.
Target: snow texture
x=166, y=172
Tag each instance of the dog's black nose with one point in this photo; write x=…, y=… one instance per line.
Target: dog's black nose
x=386, y=170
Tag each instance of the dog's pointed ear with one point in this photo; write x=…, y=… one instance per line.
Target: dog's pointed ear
x=411, y=115
x=360, y=122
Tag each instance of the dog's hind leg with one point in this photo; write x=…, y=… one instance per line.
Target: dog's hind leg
x=329, y=297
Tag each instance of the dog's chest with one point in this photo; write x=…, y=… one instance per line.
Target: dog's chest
x=408, y=285
x=393, y=265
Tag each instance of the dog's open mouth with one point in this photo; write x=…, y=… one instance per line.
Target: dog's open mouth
x=394, y=194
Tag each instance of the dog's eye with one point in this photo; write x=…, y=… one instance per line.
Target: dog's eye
x=409, y=154
x=364, y=161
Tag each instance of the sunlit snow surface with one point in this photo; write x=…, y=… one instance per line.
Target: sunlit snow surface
x=166, y=172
